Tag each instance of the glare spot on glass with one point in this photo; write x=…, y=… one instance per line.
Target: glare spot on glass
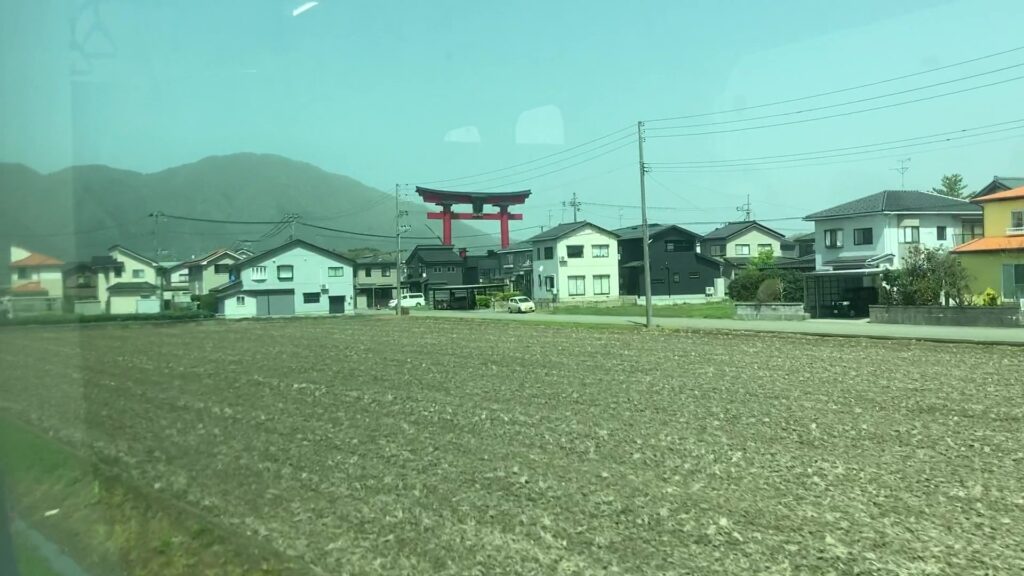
x=464, y=135
x=303, y=8
x=542, y=125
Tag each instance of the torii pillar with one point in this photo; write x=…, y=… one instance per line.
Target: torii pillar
x=445, y=199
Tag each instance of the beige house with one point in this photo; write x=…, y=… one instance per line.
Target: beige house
x=35, y=274
x=575, y=262
x=374, y=281
x=737, y=242
x=199, y=275
x=128, y=282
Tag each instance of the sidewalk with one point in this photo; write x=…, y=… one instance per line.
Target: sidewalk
x=842, y=328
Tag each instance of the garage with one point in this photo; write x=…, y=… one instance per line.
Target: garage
x=276, y=303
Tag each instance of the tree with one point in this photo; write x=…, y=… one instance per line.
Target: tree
x=764, y=259
x=952, y=186
x=926, y=275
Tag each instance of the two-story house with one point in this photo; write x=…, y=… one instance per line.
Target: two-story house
x=997, y=260
x=737, y=242
x=433, y=265
x=204, y=273
x=374, y=280
x=516, y=263
x=999, y=184
x=575, y=262
x=80, y=287
x=128, y=282
x=482, y=268
x=35, y=274
x=679, y=273
x=294, y=279
x=856, y=240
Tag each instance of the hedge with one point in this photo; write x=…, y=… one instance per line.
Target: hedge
x=55, y=319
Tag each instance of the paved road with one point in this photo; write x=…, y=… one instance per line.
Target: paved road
x=848, y=328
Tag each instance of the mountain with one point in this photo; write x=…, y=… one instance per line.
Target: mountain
x=80, y=211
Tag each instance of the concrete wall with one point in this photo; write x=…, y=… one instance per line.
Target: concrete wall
x=770, y=311
x=88, y=307
x=309, y=274
x=1004, y=316
x=130, y=304
x=588, y=266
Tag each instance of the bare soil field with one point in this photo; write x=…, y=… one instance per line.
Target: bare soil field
x=433, y=446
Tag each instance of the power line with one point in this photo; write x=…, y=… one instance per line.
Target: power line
x=841, y=90
x=842, y=114
x=840, y=104
x=710, y=164
x=564, y=168
x=553, y=163
x=553, y=154
x=794, y=154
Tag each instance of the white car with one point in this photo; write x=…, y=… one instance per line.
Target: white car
x=410, y=300
x=521, y=304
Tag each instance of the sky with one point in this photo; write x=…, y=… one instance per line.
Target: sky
x=432, y=92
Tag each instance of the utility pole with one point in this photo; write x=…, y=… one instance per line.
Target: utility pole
x=575, y=205
x=902, y=171
x=643, y=225
x=291, y=217
x=156, y=232
x=745, y=209
x=398, y=256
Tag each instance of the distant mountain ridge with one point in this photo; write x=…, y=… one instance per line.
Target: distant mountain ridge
x=79, y=211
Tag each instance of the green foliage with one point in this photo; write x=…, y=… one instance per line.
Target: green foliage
x=702, y=310
x=952, y=186
x=927, y=273
x=764, y=259
x=745, y=286
x=505, y=296
x=56, y=319
x=208, y=303
x=483, y=301
x=990, y=298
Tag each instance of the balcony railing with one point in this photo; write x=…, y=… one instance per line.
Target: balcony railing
x=1014, y=230
x=959, y=239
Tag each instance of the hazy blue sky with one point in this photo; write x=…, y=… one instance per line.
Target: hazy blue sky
x=417, y=91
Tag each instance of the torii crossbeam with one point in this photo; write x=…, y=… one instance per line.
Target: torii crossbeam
x=446, y=199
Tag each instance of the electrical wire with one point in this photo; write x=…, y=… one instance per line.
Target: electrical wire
x=841, y=114
x=528, y=162
x=562, y=169
x=841, y=90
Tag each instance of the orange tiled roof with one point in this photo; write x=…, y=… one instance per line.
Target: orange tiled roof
x=29, y=288
x=991, y=244
x=37, y=259
x=1013, y=194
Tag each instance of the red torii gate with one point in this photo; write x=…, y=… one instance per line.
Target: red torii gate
x=446, y=199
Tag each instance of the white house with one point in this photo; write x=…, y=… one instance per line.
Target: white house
x=35, y=274
x=295, y=279
x=575, y=262
x=128, y=282
x=856, y=240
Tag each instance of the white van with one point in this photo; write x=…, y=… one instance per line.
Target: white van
x=410, y=300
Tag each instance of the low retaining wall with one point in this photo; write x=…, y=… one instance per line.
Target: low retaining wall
x=770, y=311
x=999, y=316
x=677, y=299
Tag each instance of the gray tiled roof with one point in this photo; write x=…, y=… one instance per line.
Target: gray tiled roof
x=733, y=228
x=998, y=184
x=131, y=286
x=563, y=229
x=437, y=255
x=896, y=201
x=632, y=232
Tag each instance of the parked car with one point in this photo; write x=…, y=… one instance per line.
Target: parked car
x=410, y=300
x=521, y=304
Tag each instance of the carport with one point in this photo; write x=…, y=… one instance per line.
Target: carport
x=841, y=293
x=461, y=297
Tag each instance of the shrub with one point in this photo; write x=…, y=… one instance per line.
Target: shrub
x=98, y=318
x=927, y=274
x=770, y=291
x=745, y=287
x=483, y=301
x=990, y=298
x=208, y=303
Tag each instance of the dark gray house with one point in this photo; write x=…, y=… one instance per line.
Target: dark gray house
x=678, y=270
x=516, y=263
x=999, y=184
x=482, y=268
x=433, y=265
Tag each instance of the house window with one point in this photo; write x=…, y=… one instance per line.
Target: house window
x=549, y=252
x=335, y=271
x=438, y=269
x=240, y=300
x=1017, y=219
x=549, y=283
x=285, y=272
x=670, y=245
x=940, y=232
x=675, y=277
x=862, y=236
x=385, y=271
x=743, y=249
x=117, y=272
x=452, y=269
x=310, y=297
x=259, y=273
x=910, y=234
x=678, y=246
x=138, y=274
x=221, y=268
x=81, y=279
x=183, y=277
x=602, y=284
x=574, y=251
x=368, y=271
x=23, y=274
x=577, y=285
x=695, y=275
x=834, y=238
x=538, y=254
x=718, y=250
x=599, y=251
x=1013, y=281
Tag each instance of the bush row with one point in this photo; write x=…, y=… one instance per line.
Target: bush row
x=41, y=319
